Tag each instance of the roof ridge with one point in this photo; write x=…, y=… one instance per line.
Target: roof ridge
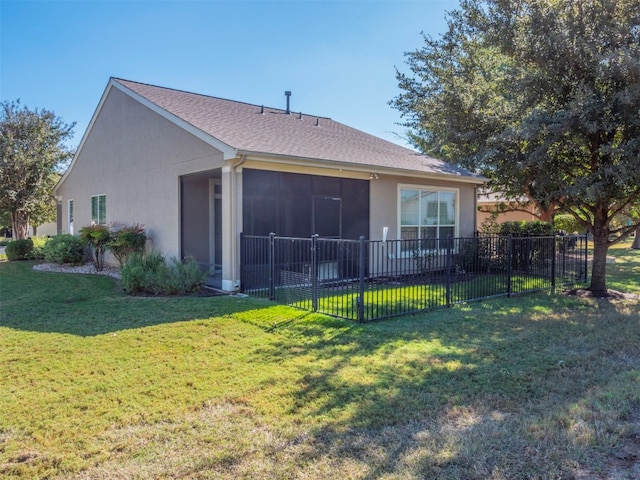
x=179, y=90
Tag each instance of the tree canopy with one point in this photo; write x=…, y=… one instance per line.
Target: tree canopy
x=32, y=154
x=542, y=97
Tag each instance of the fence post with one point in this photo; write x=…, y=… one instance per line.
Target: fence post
x=509, y=260
x=553, y=261
x=361, y=271
x=272, y=266
x=314, y=272
x=448, y=271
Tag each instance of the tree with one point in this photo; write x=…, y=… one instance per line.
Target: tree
x=32, y=153
x=541, y=96
x=636, y=240
x=46, y=210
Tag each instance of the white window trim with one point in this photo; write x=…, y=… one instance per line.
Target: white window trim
x=70, y=228
x=91, y=208
x=430, y=188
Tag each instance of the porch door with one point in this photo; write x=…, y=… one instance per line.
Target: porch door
x=215, y=224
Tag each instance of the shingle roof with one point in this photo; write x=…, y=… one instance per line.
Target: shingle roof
x=270, y=131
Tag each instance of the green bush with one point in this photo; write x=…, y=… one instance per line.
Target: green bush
x=19, y=249
x=525, y=229
x=127, y=240
x=568, y=223
x=38, y=247
x=187, y=275
x=150, y=273
x=97, y=237
x=64, y=249
x=141, y=270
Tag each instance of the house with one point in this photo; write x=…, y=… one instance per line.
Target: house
x=495, y=207
x=197, y=171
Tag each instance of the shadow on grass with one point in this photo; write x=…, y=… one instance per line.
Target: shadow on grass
x=516, y=388
x=88, y=305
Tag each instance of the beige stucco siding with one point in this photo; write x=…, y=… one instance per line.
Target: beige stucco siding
x=384, y=204
x=135, y=157
x=511, y=216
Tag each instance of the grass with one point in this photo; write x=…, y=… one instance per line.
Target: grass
x=96, y=384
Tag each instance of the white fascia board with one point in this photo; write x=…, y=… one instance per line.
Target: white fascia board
x=356, y=167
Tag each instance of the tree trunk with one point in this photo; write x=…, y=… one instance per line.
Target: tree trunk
x=35, y=230
x=599, y=267
x=636, y=241
x=546, y=215
x=20, y=225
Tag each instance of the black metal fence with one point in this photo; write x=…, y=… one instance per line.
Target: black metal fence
x=371, y=279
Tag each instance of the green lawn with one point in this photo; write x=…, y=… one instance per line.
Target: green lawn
x=96, y=384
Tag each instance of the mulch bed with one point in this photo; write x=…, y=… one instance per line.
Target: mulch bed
x=611, y=294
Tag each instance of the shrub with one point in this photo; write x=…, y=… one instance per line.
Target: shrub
x=64, y=249
x=127, y=240
x=141, y=271
x=188, y=276
x=567, y=223
x=19, y=249
x=150, y=273
x=525, y=229
x=97, y=237
x=38, y=247
x=478, y=254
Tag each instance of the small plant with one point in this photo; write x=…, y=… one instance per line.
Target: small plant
x=150, y=273
x=19, y=249
x=97, y=237
x=424, y=260
x=64, y=249
x=127, y=240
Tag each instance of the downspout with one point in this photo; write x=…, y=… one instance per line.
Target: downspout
x=235, y=165
x=476, y=228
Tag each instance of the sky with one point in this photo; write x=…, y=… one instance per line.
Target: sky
x=338, y=58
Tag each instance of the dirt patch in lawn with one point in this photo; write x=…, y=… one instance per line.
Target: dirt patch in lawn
x=611, y=294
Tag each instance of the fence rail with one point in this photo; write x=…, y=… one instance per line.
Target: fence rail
x=365, y=280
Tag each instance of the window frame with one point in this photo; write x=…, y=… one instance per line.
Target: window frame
x=96, y=220
x=422, y=189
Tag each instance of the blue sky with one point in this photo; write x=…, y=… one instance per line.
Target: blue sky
x=337, y=57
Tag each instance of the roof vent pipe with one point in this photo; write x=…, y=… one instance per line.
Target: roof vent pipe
x=288, y=95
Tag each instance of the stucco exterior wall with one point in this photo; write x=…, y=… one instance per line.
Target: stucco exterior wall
x=513, y=216
x=135, y=157
x=384, y=192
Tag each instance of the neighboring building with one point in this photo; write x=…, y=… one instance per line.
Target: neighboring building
x=510, y=210
x=197, y=171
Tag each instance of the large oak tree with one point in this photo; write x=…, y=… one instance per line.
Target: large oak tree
x=543, y=97
x=32, y=154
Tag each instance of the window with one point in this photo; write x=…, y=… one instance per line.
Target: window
x=70, y=216
x=99, y=210
x=427, y=214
